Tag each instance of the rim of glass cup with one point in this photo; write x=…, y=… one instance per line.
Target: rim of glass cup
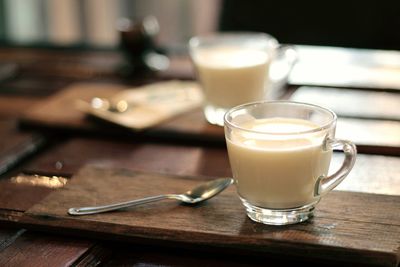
x=196, y=40
x=320, y=128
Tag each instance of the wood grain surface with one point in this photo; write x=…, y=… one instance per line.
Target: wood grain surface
x=349, y=227
x=32, y=249
x=352, y=103
x=15, y=146
x=8, y=236
x=59, y=112
x=41, y=76
x=13, y=107
x=20, y=192
x=66, y=158
x=371, y=173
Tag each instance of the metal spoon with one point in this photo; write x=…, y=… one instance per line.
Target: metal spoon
x=198, y=194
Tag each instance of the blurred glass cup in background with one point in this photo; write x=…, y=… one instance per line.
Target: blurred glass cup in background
x=234, y=68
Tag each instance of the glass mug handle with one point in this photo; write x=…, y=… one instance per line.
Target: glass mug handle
x=280, y=68
x=325, y=184
x=285, y=58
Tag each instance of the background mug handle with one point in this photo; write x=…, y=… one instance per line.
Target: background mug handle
x=324, y=184
x=282, y=64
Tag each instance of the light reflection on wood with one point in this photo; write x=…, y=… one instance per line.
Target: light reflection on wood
x=40, y=180
x=352, y=103
x=371, y=174
x=369, y=132
x=346, y=67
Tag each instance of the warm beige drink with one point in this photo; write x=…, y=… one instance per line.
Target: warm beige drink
x=279, y=153
x=278, y=170
x=232, y=75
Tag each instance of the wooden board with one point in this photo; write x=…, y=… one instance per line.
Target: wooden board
x=347, y=227
x=31, y=249
x=352, y=103
x=59, y=112
x=346, y=67
x=22, y=191
x=16, y=146
x=371, y=173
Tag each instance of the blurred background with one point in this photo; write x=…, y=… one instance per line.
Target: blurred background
x=93, y=23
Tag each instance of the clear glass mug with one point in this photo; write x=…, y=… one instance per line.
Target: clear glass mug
x=233, y=68
x=280, y=153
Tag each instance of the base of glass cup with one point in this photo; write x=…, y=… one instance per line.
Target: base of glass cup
x=279, y=216
x=215, y=115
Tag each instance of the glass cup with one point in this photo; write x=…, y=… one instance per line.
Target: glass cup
x=234, y=68
x=280, y=153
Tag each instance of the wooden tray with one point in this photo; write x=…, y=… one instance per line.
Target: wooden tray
x=16, y=146
x=59, y=113
x=347, y=227
x=353, y=103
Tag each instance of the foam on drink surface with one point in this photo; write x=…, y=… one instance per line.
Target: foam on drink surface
x=230, y=57
x=277, y=134
x=280, y=125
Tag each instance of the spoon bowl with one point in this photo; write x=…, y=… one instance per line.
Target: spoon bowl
x=196, y=195
x=207, y=190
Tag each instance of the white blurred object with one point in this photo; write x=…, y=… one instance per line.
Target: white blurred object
x=23, y=21
x=346, y=67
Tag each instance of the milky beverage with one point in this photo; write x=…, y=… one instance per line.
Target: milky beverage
x=232, y=75
x=277, y=170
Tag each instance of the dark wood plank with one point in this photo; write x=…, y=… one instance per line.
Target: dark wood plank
x=341, y=230
x=32, y=249
x=13, y=107
x=8, y=236
x=33, y=86
x=96, y=256
x=76, y=64
x=62, y=63
x=16, y=146
x=371, y=173
x=65, y=159
x=142, y=255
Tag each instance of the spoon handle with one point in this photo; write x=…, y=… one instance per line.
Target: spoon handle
x=117, y=206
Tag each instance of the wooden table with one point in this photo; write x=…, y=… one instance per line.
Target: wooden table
x=29, y=156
